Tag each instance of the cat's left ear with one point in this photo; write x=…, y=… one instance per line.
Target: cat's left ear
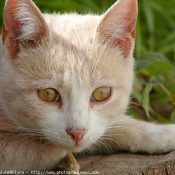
x=118, y=25
x=23, y=23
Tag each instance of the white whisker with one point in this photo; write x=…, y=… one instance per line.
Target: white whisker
x=104, y=144
x=106, y=138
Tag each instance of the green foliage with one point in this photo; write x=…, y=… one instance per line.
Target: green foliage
x=155, y=87
x=153, y=95
x=149, y=58
x=146, y=99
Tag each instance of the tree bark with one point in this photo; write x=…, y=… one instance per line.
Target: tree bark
x=128, y=164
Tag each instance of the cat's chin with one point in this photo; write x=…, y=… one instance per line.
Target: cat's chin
x=76, y=149
x=80, y=147
x=73, y=148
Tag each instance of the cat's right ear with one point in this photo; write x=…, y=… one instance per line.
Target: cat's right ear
x=22, y=23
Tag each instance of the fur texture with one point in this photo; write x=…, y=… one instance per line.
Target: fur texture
x=74, y=54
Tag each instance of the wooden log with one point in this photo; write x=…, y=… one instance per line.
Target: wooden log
x=128, y=164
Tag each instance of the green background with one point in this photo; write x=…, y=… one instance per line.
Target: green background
x=153, y=96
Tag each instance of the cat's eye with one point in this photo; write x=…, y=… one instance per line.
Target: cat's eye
x=49, y=95
x=101, y=94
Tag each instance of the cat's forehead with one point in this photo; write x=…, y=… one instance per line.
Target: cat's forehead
x=56, y=65
x=72, y=28
x=74, y=64
x=95, y=61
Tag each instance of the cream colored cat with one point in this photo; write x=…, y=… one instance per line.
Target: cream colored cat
x=65, y=82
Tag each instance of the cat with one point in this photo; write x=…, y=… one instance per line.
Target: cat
x=65, y=85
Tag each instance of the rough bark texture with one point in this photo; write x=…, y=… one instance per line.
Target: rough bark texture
x=129, y=164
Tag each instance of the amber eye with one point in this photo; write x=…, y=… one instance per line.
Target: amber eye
x=49, y=95
x=101, y=94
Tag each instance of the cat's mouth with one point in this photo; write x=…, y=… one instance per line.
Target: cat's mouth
x=82, y=145
x=71, y=145
x=77, y=147
x=74, y=148
x=66, y=143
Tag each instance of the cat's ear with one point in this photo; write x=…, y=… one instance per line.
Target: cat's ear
x=118, y=24
x=22, y=23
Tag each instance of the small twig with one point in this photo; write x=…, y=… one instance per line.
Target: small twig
x=72, y=164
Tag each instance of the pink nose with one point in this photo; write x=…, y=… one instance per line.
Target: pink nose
x=76, y=135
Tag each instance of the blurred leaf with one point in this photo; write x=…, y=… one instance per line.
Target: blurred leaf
x=146, y=98
x=161, y=118
x=137, y=95
x=139, y=39
x=162, y=10
x=133, y=113
x=149, y=16
x=152, y=58
x=157, y=79
x=173, y=116
x=168, y=40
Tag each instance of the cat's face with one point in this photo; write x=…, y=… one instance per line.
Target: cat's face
x=53, y=81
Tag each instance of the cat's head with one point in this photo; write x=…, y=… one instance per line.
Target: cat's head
x=63, y=81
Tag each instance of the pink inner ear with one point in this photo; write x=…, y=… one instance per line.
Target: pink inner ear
x=10, y=28
x=12, y=46
x=11, y=25
x=23, y=22
x=118, y=24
